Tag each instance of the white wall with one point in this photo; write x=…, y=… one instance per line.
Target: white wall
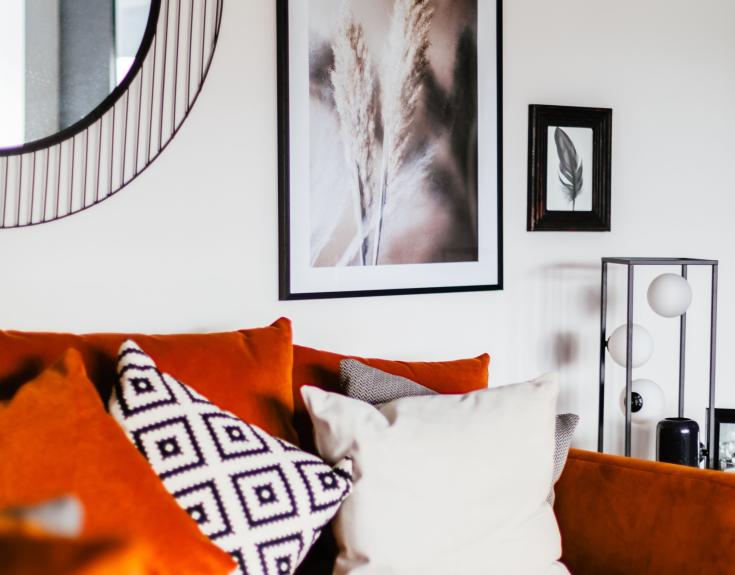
x=192, y=244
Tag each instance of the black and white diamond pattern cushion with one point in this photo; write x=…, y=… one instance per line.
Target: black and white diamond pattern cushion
x=260, y=499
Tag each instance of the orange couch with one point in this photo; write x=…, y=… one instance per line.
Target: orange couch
x=617, y=516
x=622, y=516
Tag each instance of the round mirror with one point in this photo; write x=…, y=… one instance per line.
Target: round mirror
x=63, y=59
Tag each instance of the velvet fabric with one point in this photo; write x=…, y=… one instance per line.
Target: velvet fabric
x=57, y=439
x=620, y=516
x=247, y=372
x=23, y=553
x=321, y=369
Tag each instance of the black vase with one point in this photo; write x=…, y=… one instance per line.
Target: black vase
x=677, y=441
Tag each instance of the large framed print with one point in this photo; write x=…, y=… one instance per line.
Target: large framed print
x=390, y=145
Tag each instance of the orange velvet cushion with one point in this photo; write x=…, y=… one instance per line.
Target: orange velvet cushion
x=321, y=369
x=24, y=553
x=247, y=372
x=57, y=439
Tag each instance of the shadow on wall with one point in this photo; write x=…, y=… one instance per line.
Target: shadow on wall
x=571, y=320
x=572, y=343
x=559, y=327
x=565, y=348
x=573, y=298
x=565, y=345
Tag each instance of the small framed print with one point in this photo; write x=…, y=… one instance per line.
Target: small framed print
x=724, y=459
x=390, y=139
x=569, y=161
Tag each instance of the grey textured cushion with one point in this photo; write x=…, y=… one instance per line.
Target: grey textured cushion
x=565, y=426
x=375, y=387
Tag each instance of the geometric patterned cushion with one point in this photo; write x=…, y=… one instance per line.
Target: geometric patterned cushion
x=257, y=497
x=373, y=386
x=360, y=381
x=565, y=426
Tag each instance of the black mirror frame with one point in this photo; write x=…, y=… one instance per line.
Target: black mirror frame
x=84, y=164
x=106, y=104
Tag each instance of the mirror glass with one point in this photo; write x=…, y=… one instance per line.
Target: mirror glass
x=60, y=59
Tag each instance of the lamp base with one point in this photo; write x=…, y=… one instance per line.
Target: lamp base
x=677, y=441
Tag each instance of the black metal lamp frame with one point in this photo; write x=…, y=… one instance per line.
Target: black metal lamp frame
x=631, y=264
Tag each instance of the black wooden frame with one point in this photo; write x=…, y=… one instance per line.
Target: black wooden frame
x=721, y=416
x=284, y=176
x=539, y=120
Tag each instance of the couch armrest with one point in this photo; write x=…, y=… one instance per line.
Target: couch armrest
x=623, y=516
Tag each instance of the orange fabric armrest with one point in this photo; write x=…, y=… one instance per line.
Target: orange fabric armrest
x=620, y=516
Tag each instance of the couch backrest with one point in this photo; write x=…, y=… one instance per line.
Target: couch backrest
x=620, y=516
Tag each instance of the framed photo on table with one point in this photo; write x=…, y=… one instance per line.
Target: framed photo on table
x=390, y=147
x=569, y=167
x=724, y=459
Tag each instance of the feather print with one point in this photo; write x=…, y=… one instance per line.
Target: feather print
x=571, y=172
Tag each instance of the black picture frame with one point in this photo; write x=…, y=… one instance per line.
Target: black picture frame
x=540, y=119
x=286, y=293
x=722, y=416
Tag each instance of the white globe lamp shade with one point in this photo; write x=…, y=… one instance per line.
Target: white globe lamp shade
x=617, y=345
x=649, y=402
x=670, y=295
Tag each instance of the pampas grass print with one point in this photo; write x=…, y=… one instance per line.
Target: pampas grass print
x=401, y=80
x=402, y=83
x=354, y=86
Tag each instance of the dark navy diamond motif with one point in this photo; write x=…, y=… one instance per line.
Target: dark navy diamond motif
x=326, y=489
x=193, y=396
x=239, y=558
x=266, y=494
x=148, y=390
x=233, y=438
x=204, y=505
x=141, y=385
x=170, y=446
x=235, y=434
x=257, y=512
x=198, y=514
x=287, y=446
x=328, y=480
x=281, y=556
x=131, y=348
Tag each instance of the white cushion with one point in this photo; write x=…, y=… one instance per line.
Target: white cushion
x=445, y=484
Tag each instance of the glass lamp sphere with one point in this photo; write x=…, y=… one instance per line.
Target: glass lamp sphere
x=649, y=402
x=670, y=295
x=642, y=345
